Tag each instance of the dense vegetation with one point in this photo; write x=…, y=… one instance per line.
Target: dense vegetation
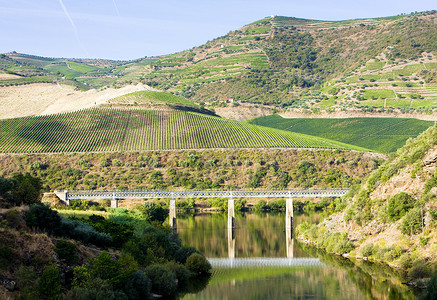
x=379, y=134
x=392, y=216
x=109, y=129
x=128, y=255
x=194, y=169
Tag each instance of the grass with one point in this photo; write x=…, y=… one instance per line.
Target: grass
x=378, y=94
x=379, y=134
x=110, y=130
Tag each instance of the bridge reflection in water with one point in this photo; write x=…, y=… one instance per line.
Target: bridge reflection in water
x=264, y=262
x=115, y=196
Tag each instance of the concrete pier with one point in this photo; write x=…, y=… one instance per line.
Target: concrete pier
x=231, y=213
x=172, y=214
x=290, y=243
x=289, y=214
x=114, y=203
x=231, y=242
x=63, y=196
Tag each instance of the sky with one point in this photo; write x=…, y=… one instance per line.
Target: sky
x=131, y=29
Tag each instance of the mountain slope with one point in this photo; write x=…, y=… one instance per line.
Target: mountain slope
x=392, y=216
x=133, y=129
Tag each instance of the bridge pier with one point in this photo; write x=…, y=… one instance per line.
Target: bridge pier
x=289, y=215
x=172, y=214
x=231, y=213
x=231, y=242
x=114, y=203
x=63, y=196
x=289, y=242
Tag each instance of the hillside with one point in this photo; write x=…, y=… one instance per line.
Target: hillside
x=368, y=65
x=392, y=216
x=297, y=63
x=206, y=169
x=131, y=129
x=382, y=135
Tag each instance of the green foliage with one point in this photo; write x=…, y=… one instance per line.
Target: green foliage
x=183, y=253
x=137, y=286
x=399, y=205
x=412, y=221
x=43, y=217
x=367, y=250
x=153, y=212
x=5, y=256
x=67, y=250
x=261, y=205
x=120, y=233
x=49, y=284
x=27, y=190
x=27, y=282
x=198, y=265
x=431, y=289
x=163, y=280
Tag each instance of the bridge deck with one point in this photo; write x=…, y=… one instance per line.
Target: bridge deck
x=205, y=194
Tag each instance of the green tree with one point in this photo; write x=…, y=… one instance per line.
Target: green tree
x=399, y=205
x=27, y=190
x=49, y=284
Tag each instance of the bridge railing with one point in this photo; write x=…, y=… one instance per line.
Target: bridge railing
x=206, y=194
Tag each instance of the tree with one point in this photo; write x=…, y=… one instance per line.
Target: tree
x=399, y=205
x=27, y=190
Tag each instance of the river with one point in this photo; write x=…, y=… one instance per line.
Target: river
x=261, y=262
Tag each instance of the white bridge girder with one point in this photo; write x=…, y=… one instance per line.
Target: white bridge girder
x=205, y=194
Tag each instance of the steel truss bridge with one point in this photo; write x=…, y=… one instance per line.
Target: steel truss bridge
x=113, y=195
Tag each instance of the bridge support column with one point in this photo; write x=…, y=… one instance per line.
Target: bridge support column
x=289, y=242
x=231, y=213
x=172, y=214
x=231, y=242
x=289, y=215
x=63, y=196
x=114, y=203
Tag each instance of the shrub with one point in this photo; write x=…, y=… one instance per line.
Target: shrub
x=431, y=289
x=27, y=190
x=5, y=256
x=137, y=286
x=163, y=280
x=261, y=205
x=412, y=222
x=367, y=250
x=67, y=250
x=26, y=282
x=197, y=264
x=84, y=232
x=183, y=253
x=44, y=218
x=49, y=284
x=181, y=272
x=399, y=205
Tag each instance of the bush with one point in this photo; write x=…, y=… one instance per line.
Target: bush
x=183, y=253
x=399, y=205
x=181, y=272
x=137, y=286
x=367, y=250
x=49, y=284
x=84, y=232
x=67, y=250
x=412, y=222
x=163, y=280
x=44, y=218
x=197, y=264
x=5, y=256
x=27, y=190
x=431, y=289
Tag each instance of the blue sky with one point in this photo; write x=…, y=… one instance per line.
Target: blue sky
x=128, y=29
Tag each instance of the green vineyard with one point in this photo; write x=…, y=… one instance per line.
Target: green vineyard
x=383, y=135
x=109, y=129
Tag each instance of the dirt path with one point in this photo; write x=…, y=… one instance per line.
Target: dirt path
x=359, y=114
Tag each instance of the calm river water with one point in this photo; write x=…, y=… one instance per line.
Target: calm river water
x=260, y=263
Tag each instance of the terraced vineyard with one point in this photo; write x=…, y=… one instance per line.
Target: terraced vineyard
x=379, y=134
x=107, y=129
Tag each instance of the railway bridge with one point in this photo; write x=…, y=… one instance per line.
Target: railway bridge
x=231, y=195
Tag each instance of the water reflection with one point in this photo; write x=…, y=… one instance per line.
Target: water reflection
x=262, y=240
